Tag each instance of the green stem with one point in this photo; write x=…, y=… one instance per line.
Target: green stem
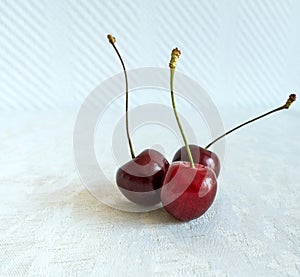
x=188, y=150
x=126, y=105
x=289, y=101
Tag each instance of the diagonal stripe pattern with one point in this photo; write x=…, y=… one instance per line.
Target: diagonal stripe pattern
x=52, y=54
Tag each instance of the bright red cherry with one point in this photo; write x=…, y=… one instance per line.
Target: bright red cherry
x=200, y=156
x=187, y=193
x=141, y=178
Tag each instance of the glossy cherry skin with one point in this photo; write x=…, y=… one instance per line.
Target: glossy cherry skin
x=187, y=193
x=200, y=156
x=141, y=178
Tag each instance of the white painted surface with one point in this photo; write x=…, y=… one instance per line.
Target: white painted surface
x=51, y=226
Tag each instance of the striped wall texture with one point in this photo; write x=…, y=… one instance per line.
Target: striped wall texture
x=53, y=53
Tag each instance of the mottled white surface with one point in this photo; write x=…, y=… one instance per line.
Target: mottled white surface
x=51, y=226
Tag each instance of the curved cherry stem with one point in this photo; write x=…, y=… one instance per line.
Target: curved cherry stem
x=290, y=100
x=174, y=57
x=112, y=41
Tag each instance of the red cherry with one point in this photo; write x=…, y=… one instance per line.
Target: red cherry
x=200, y=156
x=187, y=193
x=141, y=178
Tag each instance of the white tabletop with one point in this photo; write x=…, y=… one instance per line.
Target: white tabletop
x=50, y=225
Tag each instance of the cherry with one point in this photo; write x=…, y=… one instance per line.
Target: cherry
x=208, y=158
x=145, y=174
x=189, y=189
x=201, y=156
x=141, y=178
x=188, y=192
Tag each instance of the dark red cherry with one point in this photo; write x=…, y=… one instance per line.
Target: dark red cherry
x=187, y=193
x=200, y=156
x=141, y=178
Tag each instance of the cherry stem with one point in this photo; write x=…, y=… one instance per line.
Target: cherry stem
x=112, y=41
x=290, y=100
x=174, y=57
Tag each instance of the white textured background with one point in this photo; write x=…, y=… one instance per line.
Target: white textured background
x=53, y=53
